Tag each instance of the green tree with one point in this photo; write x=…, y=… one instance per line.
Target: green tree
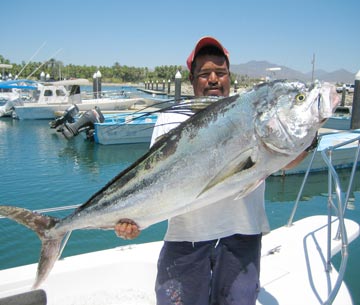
x=115, y=73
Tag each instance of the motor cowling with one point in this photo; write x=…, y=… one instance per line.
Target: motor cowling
x=85, y=123
x=68, y=116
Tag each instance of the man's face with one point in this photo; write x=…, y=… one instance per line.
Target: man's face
x=211, y=76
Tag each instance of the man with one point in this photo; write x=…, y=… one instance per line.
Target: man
x=211, y=255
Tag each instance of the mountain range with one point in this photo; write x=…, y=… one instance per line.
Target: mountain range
x=258, y=69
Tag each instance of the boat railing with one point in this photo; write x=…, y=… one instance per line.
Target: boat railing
x=339, y=206
x=54, y=209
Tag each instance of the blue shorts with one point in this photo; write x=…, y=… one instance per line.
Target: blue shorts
x=217, y=272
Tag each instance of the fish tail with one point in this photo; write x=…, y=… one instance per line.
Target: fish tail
x=40, y=224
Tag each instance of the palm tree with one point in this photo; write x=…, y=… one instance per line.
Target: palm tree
x=55, y=68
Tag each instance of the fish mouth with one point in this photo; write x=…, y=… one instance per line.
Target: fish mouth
x=326, y=110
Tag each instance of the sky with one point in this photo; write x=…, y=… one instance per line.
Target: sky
x=150, y=33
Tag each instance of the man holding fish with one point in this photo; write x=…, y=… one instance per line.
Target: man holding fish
x=205, y=176
x=210, y=255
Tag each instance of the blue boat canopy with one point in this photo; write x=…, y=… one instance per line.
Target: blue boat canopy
x=19, y=84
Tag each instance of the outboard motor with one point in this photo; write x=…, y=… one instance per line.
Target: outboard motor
x=68, y=116
x=85, y=123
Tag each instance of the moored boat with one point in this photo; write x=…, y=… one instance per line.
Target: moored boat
x=125, y=128
x=341, y=119
x=118, y=127
x=15, y=93
x=58, y=96
x=342, y=156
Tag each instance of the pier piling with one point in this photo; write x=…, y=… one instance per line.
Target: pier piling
x=97, y=84
x=343, y=96
x=178, y=86
x=355, y=116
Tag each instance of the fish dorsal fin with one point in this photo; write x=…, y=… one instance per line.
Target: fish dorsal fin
x=232, y=168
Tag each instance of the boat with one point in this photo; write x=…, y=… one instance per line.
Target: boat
x=296, y=263
x=125, y=128
x=343, y=156
x=15, y=93
x=120, y=127
x=341, y=119
x=54, y=97
x=294, y=270
x=129, y=126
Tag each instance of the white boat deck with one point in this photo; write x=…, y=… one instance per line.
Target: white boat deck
x=292, y=271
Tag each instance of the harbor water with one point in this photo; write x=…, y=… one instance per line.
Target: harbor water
x=40, y=169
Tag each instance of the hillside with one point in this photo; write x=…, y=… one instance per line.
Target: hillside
x=258, y=69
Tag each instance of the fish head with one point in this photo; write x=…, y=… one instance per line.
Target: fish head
x=292, y=112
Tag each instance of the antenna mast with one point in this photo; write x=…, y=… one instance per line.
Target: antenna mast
x=313, y=68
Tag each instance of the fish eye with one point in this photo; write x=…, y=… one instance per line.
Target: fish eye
x=300, y=97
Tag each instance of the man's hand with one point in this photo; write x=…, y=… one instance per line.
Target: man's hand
x=127, y=229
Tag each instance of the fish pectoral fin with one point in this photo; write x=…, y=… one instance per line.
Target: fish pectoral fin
x=249, y=189
x=230, y=170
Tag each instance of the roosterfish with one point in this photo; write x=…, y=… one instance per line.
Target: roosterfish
x=225, y=149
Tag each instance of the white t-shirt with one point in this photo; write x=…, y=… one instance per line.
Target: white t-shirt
x=221, y=219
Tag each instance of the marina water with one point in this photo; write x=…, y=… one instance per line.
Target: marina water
x=40, y=169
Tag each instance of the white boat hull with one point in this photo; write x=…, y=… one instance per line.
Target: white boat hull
x=36, y=111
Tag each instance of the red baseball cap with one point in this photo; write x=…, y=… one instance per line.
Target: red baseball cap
x=205, y=41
